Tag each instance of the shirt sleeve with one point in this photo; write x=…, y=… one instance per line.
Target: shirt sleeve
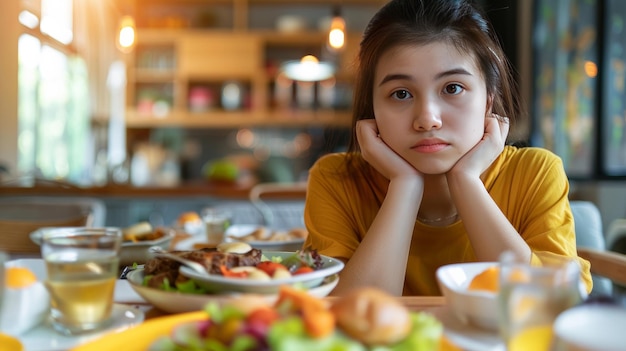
x=330, y=212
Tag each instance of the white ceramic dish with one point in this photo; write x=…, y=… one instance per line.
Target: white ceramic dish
x=130, y=252
x=591, y=327
x=176, y=302
x=45, y=338
x=466, y=336
x=137, y=252
x=478, y=308
x=221, y=284
x=241, y=230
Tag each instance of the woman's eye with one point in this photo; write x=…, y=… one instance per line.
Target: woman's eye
x=453, y=89
x=401, y=94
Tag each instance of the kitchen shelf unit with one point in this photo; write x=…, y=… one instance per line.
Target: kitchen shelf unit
x=169, y=65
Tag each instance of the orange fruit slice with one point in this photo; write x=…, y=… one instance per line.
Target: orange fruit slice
x=19, y=277
x=486, y=280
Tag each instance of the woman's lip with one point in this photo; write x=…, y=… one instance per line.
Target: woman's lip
x=430, y=146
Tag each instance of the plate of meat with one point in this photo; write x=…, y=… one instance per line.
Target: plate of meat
x=304, y=268
x=232, y=269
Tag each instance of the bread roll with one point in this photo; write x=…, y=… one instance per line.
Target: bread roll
x=372, y=317
x=188, y=217
x=136, y=230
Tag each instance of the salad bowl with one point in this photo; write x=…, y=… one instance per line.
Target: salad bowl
x=180, y=302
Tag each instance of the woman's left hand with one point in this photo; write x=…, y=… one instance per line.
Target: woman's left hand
x=482, y=155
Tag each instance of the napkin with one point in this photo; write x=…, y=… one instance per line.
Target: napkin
x=23, y=309
x=124, y=293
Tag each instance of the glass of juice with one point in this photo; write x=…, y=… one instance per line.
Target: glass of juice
x=82, y=266
x=532, y=295
x=216, y=222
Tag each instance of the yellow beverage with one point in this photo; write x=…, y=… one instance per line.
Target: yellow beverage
x=535, y=338
x=81, y=290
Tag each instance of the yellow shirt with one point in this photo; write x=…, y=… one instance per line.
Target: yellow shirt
x=529, y=185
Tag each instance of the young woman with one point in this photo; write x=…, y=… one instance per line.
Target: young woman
x=428, y=179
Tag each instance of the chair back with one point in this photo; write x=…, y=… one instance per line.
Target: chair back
x=19, y=217
x=589, y=234
x=293, y=213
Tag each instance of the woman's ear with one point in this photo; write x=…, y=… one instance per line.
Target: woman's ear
x=489, y=106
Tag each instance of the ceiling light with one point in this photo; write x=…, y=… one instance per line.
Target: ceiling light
x=308, y=69
x=337, y=33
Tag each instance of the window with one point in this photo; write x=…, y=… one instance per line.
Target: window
x=53, y=103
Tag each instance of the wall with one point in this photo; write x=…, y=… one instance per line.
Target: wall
x=8, y=83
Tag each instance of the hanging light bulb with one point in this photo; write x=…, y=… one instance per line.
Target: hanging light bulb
x=337, y=33
x=126, y=34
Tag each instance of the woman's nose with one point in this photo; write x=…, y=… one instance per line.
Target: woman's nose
x=426, y=116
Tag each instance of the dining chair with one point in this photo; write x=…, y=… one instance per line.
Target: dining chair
x=608, y=268
x=20, y=216
x=292, y=208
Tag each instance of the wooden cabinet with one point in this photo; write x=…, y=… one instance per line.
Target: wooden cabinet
x=190, y=76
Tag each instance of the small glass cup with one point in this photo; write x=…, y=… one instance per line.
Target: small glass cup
x=3, y=258
x=532, y=296
x=216, y=222
x=82, y=265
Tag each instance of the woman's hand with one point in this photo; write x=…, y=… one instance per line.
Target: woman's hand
x=482, y=155
x=379, y=155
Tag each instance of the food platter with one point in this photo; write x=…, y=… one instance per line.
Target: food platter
x=178, y=302
x=240, y=231
x=131, y=252
x=221, y=284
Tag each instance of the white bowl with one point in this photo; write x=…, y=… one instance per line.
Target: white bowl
x=591, y=327
x=475, y=307
x=138, y=252
x=177, y=302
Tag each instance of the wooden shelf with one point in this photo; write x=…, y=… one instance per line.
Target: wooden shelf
x=237, y=119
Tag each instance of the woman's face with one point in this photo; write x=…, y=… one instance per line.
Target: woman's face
x=430, y=104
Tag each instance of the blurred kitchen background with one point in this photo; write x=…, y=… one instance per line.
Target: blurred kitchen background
x=160, y=106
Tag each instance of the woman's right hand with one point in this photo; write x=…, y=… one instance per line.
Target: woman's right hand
x=379, y=155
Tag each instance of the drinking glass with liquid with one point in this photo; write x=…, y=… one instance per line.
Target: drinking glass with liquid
x=3, y=259
x=82, y=265
x=216, y=222
x=532, y=295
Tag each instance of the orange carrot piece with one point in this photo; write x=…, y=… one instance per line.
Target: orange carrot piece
x=318, y=322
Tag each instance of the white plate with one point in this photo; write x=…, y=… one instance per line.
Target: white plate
x=176, y=302
x=241, y=230
x=45, y=338
x=465, y=336
x=130, y=252
x=221, y=284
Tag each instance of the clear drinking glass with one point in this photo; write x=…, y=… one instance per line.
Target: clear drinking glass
x=532, y=296
x=82, y=265
x=216, y=222
x=3, y=258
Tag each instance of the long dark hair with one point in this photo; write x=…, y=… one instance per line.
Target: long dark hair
x=418, y=22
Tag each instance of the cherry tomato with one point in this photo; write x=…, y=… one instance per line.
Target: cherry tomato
x=270, y=267
x=303, y=270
